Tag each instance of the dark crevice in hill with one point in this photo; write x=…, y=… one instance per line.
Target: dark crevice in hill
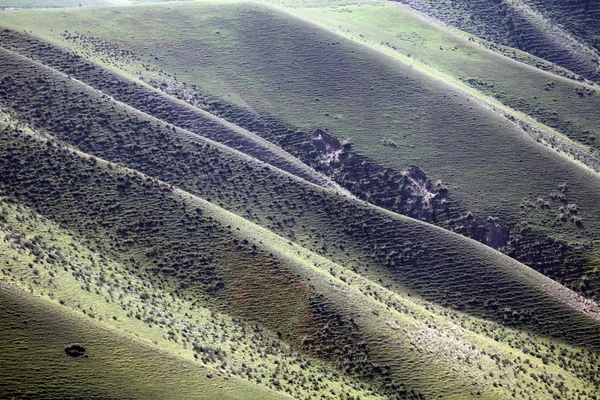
x=439, y=266
x=409, y=192
x=529, y=25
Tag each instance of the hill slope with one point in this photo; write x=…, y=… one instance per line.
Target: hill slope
x=35, y=331
x=280, y=202
x=564, y=32
x=542, y=201
x=239, y=276
x=143, y=206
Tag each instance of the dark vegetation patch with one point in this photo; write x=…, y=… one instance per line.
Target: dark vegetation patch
x=75, y=350
x=333, y=336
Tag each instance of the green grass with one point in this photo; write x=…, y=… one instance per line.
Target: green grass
x=19, y=4
x=308, y=78
x=380, y=317
x=189, y=236
x=455, y=56
x=35, y=330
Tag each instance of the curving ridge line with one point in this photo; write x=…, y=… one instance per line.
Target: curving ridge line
x=229, y=135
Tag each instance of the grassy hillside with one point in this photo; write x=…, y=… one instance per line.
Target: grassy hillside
x=323, y=222
x=254, y=73
x=564, y=32
x=34, y=332
x=219, y=185
x=505, y=76
x=239, y=270
x=535, y=204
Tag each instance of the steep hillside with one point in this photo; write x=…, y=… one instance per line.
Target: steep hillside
x=499, y=185
x=564, y=32
x=356, y=326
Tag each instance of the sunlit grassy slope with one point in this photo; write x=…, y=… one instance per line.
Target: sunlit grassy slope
x=356, y=326
x=34, y=331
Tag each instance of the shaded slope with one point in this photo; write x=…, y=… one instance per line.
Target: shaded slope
x=357, y=326
x=579, y=17
x=34, y=332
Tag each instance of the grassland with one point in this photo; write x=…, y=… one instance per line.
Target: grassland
x=502, y=74
x=236, y=274
x=217, y=186
x=520, y=182
x=282, y=203
x=34, y=332
x=564, y=32
x=252, y=68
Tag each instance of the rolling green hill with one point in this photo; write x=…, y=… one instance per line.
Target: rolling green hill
x=35, y=331
x=239, y=200
x=339, y=317
x=282, y=203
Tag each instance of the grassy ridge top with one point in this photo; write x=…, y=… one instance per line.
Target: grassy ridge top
x=309, y=78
